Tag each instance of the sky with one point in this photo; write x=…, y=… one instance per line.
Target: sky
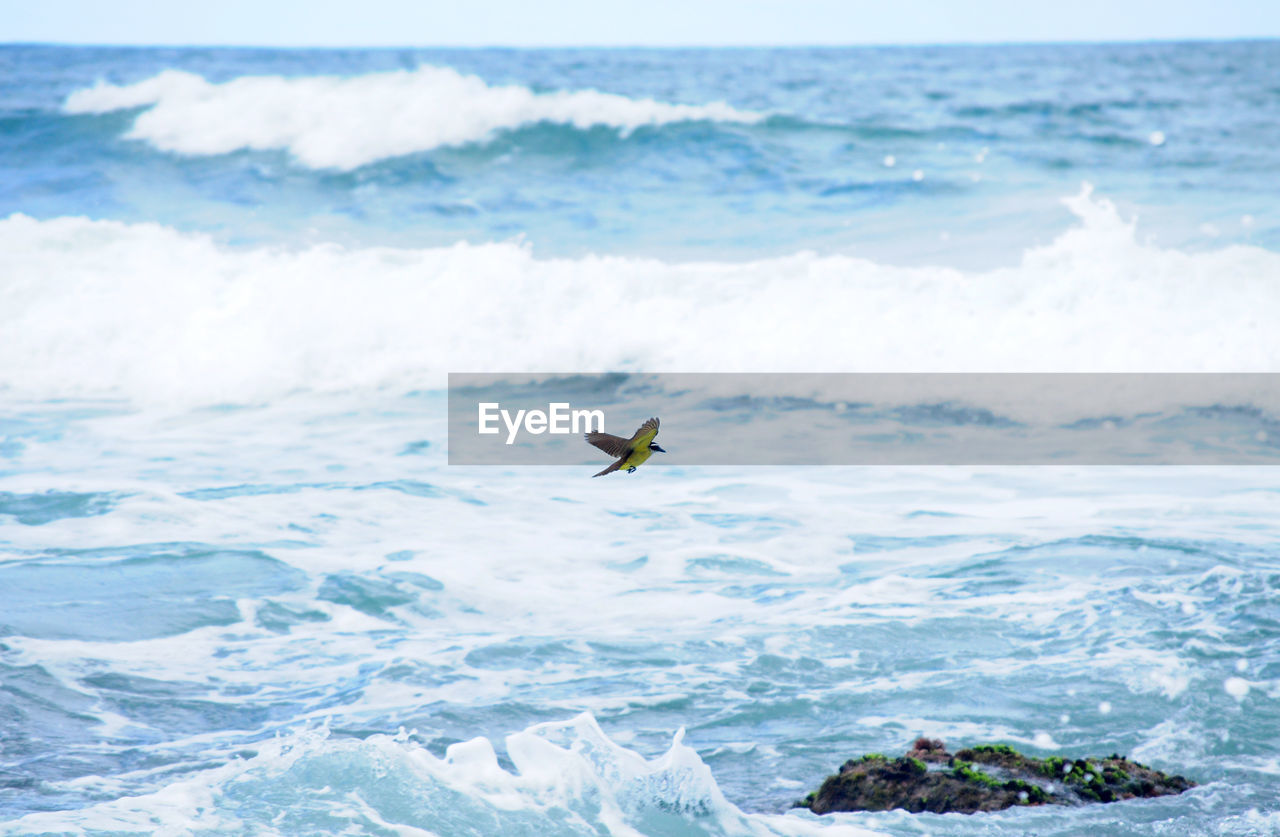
x=630, y=23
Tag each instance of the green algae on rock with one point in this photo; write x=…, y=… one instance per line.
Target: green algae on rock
x=989, y=777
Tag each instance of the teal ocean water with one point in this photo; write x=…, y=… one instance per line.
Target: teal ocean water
x=243, y=591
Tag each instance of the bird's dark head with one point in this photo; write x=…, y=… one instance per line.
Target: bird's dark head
x=655, y=447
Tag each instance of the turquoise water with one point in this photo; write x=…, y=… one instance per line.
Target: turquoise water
x=242, y=591
x=797, y=163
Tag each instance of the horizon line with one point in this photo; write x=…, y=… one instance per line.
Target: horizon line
x=1191, y=39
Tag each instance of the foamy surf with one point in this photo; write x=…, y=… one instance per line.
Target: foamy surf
x=786, y=637
x=344, y=123
x=144, y=312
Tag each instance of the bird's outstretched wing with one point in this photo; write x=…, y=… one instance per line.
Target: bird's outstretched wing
x=645, y=434
x=610, y=444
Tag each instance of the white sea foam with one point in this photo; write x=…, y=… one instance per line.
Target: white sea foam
x=502, y=594
x=94, y=308
x=343, y=123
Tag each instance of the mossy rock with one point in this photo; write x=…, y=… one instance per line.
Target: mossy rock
x=988, y=777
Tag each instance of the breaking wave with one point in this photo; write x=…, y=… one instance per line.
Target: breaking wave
x=569, y=778
x=101, y=308
x=330, y=122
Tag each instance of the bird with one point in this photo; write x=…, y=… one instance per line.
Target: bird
x=631, y=452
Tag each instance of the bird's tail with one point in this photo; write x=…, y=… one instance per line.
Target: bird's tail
x=615, y=466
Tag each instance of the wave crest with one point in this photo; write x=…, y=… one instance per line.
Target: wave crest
x=146, y=312
x=569, y=779
x=343, y=123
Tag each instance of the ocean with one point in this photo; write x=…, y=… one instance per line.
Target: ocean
x=243, y=590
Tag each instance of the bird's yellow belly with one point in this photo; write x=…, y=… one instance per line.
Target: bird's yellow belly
x=637, y=457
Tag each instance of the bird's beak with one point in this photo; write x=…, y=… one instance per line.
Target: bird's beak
x=658, y=449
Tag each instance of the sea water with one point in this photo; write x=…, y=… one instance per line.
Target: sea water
x=243, y=591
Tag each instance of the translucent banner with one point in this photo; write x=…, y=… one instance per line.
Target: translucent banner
x=870, y=419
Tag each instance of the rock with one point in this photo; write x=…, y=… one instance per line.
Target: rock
x=989, y=777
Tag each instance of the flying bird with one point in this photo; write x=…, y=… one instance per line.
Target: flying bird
x=631, y=452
